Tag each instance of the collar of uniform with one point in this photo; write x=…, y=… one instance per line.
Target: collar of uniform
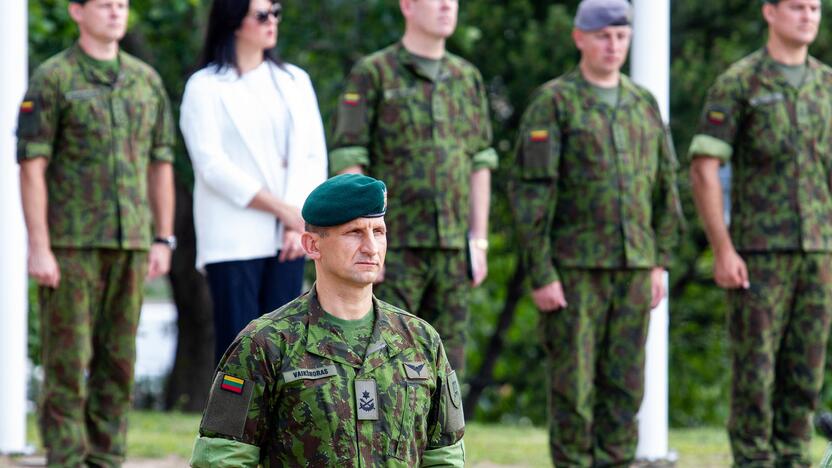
x=94, y=75
x=626, y=90
x=389, y=336
x=323, y=340
x=405, y=57
x=769, y=73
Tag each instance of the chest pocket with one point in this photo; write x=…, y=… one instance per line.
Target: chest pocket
x=768, y=124
x=308, y=406
x=410, y=429
x=401, y=116
x=86, y=109
x=584, y=154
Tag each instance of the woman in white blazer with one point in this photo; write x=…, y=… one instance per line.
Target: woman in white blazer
x=254, y=134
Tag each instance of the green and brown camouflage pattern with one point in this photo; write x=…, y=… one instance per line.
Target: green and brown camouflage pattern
x=313, y=421
x=421, y=137
x=778, y=142
x=594, y=186
x=778, y=330
x=595, y=350
x=99, y=135
x=88, y=336
x=433, y=282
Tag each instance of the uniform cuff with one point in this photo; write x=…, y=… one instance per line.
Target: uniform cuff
x=546, y=276
x=450, y=456
x=708, y=146
x=343, y=158
x=32, y=150
x=214, y=452
x=485, y=159
x=162, y=154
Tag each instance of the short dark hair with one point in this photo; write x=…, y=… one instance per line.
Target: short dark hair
x=224, y=20
x=78, y=1
x=321, y=231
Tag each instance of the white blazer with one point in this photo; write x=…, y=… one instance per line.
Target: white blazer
x=230, y=167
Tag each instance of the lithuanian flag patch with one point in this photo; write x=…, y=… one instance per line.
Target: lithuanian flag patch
x=232, y=384
x=539, y=135
x=352, y=99
x=716, y=117
x=26, y=107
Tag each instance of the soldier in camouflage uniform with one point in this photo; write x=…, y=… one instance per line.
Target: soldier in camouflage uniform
x=417, y=116
x=597, y=211
x=94, y=145
x=769, y=115
x=336, y=377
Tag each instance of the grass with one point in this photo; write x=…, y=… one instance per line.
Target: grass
x=159, y=435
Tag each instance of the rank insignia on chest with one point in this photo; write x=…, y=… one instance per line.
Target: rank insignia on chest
x=352, y=99
x=716, y=117
x=538, y=135
x=366, y=400
x=27, y=107
x=232, y=384
x=416, y=370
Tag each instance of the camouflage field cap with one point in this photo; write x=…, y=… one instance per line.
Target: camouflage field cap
x=597, y=14
x=343, y=198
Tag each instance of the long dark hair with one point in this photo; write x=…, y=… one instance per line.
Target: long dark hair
x=225, y=18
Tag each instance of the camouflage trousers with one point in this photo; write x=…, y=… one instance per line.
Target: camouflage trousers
x=595, y=350
x=434, y=285
x=778, y=330
x=88, y=331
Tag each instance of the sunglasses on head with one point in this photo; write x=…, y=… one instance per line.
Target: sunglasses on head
x=262, y=16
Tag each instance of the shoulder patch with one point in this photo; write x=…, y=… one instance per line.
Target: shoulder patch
x=228, y=404
x=454, y=418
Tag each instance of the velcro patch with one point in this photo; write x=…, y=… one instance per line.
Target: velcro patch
x=454, y=417
x=309, y=374
x=764, y=99
x=227, y=410
x=417, y=370
x=539, y=135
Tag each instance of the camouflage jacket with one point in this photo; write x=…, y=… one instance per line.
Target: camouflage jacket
x=778, y=140
x=593, y=186
x=291, y=392
x=99, y=137
x=422, y=138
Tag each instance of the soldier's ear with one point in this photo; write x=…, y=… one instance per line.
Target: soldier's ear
x=76, y=11
x=309, y=241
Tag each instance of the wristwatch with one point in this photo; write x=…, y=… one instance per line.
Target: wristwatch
x=169, y=241
x=480, y=243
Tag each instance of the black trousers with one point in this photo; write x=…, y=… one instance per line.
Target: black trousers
x=243, y=290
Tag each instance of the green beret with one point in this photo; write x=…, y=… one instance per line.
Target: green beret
x=344, y=198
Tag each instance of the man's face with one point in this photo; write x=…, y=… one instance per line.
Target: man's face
x=353, y=252
x=794, y=22
x=103, y=20
x=434, y=18
x=604, y=51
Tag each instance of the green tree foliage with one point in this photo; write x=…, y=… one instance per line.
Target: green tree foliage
x=518, y=45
